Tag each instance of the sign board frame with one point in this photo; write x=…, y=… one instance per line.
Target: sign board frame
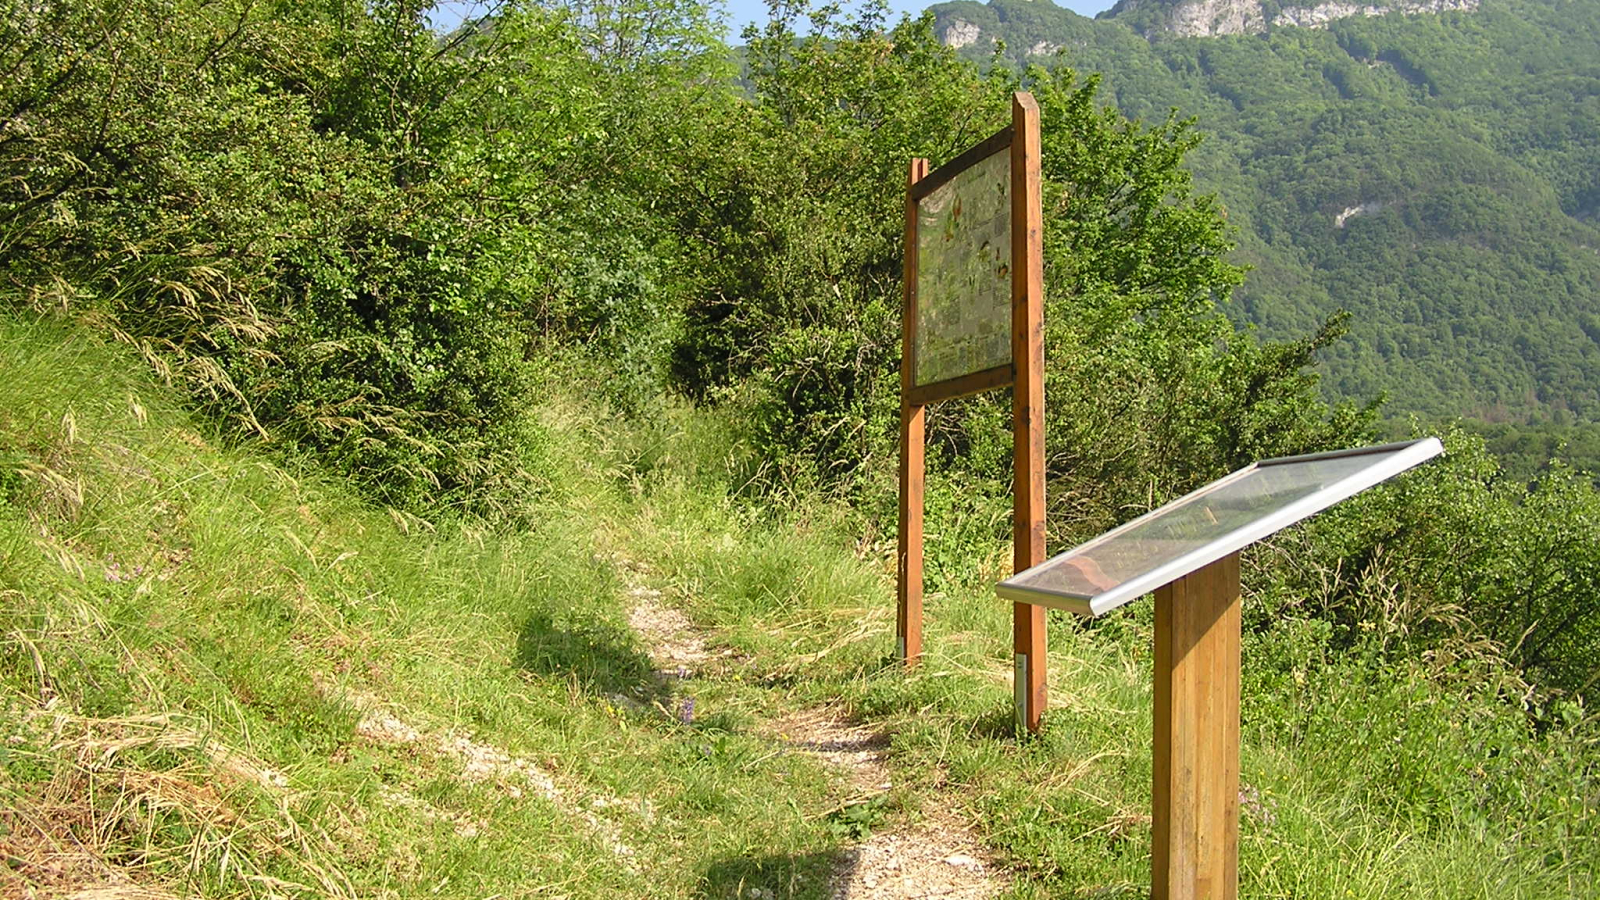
x=1024, y=373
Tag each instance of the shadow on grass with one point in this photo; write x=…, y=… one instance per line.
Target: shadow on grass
x=775, y=877
x=996, y=725
x=604, y=659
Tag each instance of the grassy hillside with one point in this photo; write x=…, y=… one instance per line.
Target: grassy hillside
x=1434, y=175
x=464, y=466
x=223, y=677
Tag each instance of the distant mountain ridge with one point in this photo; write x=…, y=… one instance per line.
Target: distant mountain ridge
x=1433, y=169
x=1211, y=18
x=1157, y=19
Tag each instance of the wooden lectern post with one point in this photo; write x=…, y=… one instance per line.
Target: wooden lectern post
x=1196, y=792
x=1189, y=556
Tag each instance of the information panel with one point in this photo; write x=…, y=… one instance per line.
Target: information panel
x=1221, y=518
x=964, y=273
x=972, y=321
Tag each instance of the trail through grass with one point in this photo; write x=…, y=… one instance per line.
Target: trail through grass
x=937, y=856
x=222, y=676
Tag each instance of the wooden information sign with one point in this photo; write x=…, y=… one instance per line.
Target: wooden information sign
x=973, y=321
x=1187, y=552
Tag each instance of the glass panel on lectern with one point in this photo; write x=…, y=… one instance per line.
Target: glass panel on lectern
x=1205, y=526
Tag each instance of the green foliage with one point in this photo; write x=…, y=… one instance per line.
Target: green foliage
x=356, y=239
x=1456, y=562
x=804, y=314
x=334, y=229
x=785, y=296
x=1134, y=269
x=855, y=821
x=1433, y=175
x=1525, y=451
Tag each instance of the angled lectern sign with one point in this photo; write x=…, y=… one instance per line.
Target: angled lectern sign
x=973, y=321
x=1187, y=552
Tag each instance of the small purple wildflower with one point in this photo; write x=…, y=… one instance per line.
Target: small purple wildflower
x=1252, y=803
x=686, y=710
x=116, y=575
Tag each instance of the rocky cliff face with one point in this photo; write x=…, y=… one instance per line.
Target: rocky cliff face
x=960, y=33
x=1207, y=18
x=1323, y=13
x=1204, y=18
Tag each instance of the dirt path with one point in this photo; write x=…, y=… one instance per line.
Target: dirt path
x=936, y=857
x=675, y=647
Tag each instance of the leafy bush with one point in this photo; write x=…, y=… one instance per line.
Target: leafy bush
x=1454, y=563
x=334, y=229
x=1150, y=390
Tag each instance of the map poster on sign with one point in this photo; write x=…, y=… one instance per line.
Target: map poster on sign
x=964, y=273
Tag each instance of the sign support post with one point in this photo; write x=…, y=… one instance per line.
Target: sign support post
x=1187, y=553
x=1027, y=403
x=1195, y=791
x=985, y=265
x=908, y=616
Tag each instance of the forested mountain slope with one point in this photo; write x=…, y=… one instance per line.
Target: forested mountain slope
x=1435, y=173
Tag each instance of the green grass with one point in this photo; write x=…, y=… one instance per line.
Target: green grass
x=146, y=572
x=1361, y=782
x=199, y=647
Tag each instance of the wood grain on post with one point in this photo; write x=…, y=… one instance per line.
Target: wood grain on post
x=908, y=616
x=1027, y=404
x=1195, y=802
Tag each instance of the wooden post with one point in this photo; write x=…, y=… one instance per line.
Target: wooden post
x=908, y=617
x=1027, y=403
x=1196, y=791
